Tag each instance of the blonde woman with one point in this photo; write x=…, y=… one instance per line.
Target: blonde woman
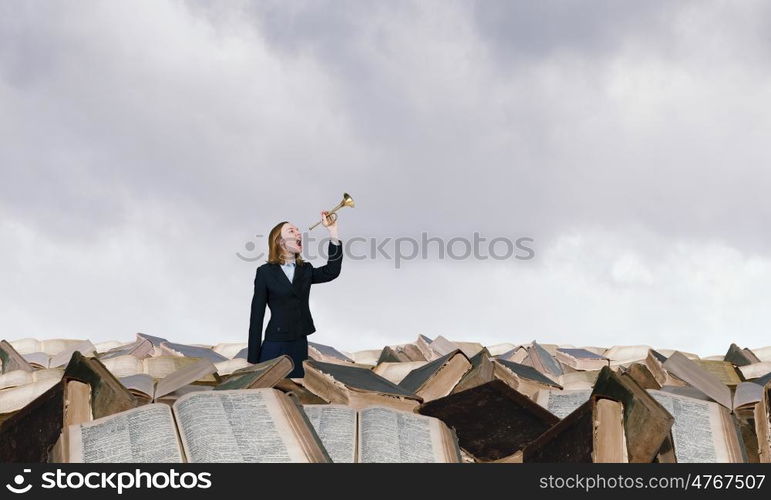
x=284, y=284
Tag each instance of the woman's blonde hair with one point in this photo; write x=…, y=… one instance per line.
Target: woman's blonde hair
x=274, y=248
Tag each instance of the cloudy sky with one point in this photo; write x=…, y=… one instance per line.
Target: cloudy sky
x=144, y=144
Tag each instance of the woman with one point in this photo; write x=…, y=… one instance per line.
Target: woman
x=284, y=284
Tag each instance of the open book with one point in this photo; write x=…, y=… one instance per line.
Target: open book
x=327, y=354
x=140, y=348
x=703, y=431
x=646, y=423
x=265, y=374
x=379, y=434
x=146, y=388
x=191, y=351
x=437, y=378
x=493, y=421
x=11, y=360
x=355, y=386
x=698, y=377
x=594, y=432
x=581, y=359
x=562, y=403
x=255, y=425
x=156, y=367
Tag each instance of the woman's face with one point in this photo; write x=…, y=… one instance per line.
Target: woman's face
x=291, y=239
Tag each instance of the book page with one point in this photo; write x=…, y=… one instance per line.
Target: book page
x=26, y=346
x=162, y=366
x=747, y=393
x=141, y=382
x=395, y=372
x=236, y=426
x=336, y=427
x=16, y=398
x=697, y=431
x=37, y=358
x=15, y=378
x=10, y=359
x=229, y=349
x=562, y=403
x=86, y=348
x=57, y=346
x=146, y=435
x=682, y=367
x=123, y=366
x=185, y=375
x=231, y=365
x=755, y=370
x=391, y=436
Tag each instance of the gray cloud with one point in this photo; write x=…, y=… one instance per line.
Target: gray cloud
x=176, y=131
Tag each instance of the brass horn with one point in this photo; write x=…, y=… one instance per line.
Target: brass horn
x=347, y=202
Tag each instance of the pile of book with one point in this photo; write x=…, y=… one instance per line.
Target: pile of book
x=152, y=400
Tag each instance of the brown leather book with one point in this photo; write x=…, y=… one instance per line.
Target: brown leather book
x=647, y=424
x=493, y=421
x=593, y=433
x=437, y=378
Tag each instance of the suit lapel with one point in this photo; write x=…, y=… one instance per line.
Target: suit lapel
x=294, y=284
x=296, y=279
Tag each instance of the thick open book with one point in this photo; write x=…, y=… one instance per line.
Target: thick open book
x=740, y=357
x=523, y=378
x=260, y=375
x=140, y=348
x=493, y=421
x=18, y=378
x=327, y=354
x=540, y=359
x=592, y=433
x=437, y=378
x=51, y=347
x=581, y=359
x=382, y=435
x=355, y=386
x=147, y=389
x=158, y=367
x=698, y=377
x=254, y=425
x=482, y=371
x=11, y=360
x=703, y=431
x=396, y=371
x=646, y=423
x=86, y=390
x=191, y=351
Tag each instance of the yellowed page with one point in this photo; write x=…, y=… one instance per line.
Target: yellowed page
x=146, y=434
x=392, y=436
x=236, y=426
x=123, y=366
x=15, y=378
x=17, y=398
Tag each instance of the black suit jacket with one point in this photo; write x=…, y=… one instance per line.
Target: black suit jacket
x=290, y=316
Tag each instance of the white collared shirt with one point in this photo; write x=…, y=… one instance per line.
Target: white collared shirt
x=288, y=268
